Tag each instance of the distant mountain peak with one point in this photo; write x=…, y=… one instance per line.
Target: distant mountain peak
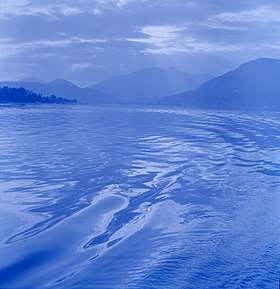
x=32, y=79
x=171, y=68
x=264, y=59
x=261, y=62
x=61, y=81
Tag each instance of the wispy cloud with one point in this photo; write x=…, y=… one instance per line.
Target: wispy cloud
x=28, y=8
x=24, y=7
x=160, y=35
x=122, y=3
x=96, y=11
x=192, y=45
x=52, y=8
x=218, y=25
x=67, y=11
x=79, y=66
x=264, y=14
x=115, y=3
x=173, y=39
x=134, y=33
x=10, y=48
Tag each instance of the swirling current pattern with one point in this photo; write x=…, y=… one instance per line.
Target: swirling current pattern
x=123, y=197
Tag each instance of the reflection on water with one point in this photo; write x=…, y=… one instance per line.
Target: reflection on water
x=138, y=198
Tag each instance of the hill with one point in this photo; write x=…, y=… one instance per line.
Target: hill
x=149, y=84
x=253, y=85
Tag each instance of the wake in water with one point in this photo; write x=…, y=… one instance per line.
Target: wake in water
x=138, y=198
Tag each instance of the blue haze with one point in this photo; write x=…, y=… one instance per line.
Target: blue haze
x=123, y=197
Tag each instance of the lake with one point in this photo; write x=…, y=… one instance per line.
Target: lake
x=138, y=197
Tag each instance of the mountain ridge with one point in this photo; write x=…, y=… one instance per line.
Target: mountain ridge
x=143, y=86
x=253, y=84
x=150, y=83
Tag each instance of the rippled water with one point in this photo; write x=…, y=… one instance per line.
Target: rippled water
x=138, y=198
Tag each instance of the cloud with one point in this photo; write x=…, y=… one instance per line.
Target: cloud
x=7, y=48
x=96, y=11
x=23, y=7
x=217, y=25
x=10, y=48
x=160, y=35
x=264, y=14
x=67, y=11
x=192, y=45
x=78, y=66
x=53, y=8
x=133, y=34
x=167, y=40
x=50, y=9
x=123, y=3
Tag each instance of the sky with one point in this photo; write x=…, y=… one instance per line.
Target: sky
x=86, y=41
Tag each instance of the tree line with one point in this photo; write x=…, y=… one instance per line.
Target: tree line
x=21, y=95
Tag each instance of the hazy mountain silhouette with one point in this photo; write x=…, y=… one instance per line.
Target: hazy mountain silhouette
x=149, y=84
x=62, y=88
x=32, y=79
x=255, y=84
x=61, y=81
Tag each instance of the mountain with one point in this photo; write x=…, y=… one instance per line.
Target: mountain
x=253, y=85
x=32, y=79
x=21, y=95
x=61, y=81
x=62, y=88
x=149, y=84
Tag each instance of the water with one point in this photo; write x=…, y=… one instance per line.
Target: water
x=138, y=198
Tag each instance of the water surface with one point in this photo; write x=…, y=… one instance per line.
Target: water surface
x=124, y=197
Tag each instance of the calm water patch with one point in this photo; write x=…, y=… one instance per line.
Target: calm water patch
x=124, y=197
